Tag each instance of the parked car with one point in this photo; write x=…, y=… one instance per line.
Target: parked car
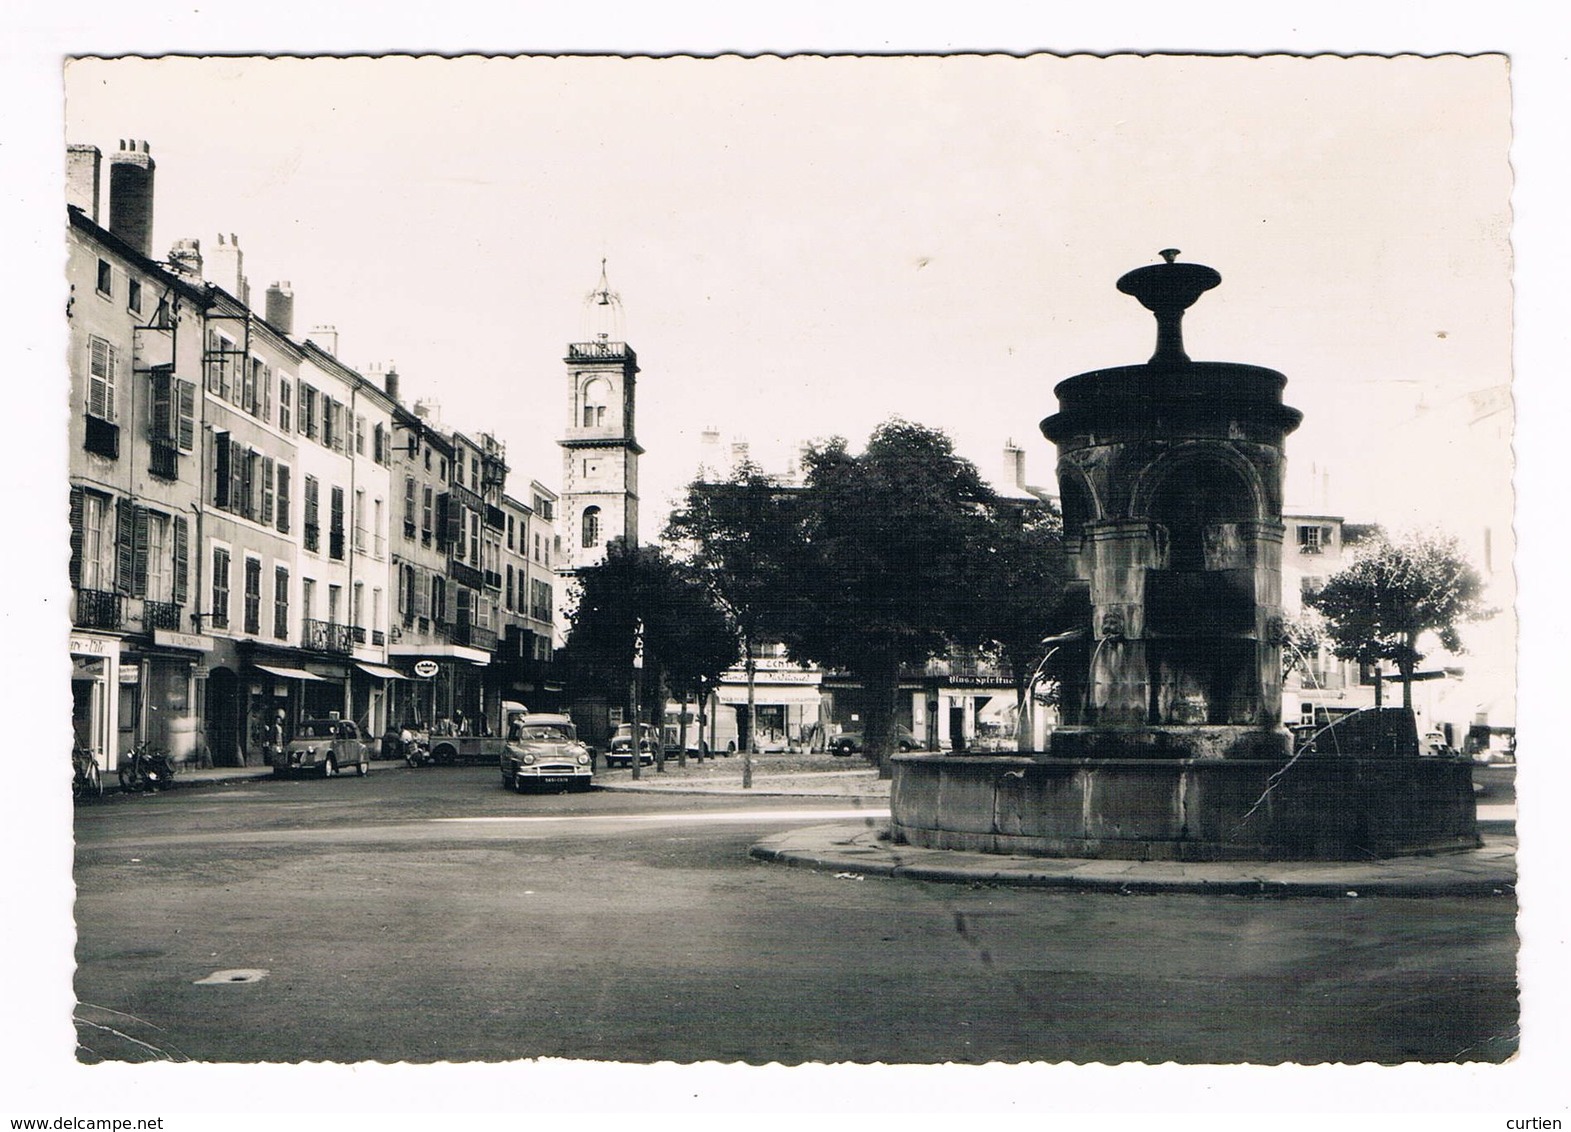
x=543, y=751
x=323, y=747
x=621, y=750
x=850, y=742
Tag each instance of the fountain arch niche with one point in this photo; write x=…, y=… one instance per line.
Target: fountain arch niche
x=1171, y=743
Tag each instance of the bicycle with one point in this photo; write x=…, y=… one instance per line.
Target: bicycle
x=86, y=779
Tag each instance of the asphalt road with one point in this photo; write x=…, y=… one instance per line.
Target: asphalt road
x=429, y=915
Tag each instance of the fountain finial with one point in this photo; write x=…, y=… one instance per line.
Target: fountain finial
x=1167, y=290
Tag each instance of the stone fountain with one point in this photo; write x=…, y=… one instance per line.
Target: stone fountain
x=1171, y=745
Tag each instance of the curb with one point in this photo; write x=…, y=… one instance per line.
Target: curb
x=854, y=849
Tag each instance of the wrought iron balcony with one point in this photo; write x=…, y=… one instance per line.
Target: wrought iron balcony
x=160, y=615
x=99, y=609
x=378, y=637
x=163, y=461
x=324, y=636
x=359, y=634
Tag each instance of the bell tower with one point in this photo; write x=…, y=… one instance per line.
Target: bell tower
x=600, y=450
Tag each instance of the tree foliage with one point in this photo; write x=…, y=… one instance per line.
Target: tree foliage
x=1017, y=590
x=1395, y=592
x=640, y=594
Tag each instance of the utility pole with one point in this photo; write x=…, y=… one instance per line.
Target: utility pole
x=633, y=713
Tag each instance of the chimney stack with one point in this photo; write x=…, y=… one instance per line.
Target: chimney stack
x=281, y=307
x=390, y=380
x=327, y=338
x=82, y=165
x=131, y=195
x=227, y=268
x=185, y=257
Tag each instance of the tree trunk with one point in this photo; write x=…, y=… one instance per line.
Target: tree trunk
x=882, y=681
x=657, y=719
x=681, y=733
x=750, y=748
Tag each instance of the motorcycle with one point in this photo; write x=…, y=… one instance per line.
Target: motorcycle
x=417, y=751
x=146, y=769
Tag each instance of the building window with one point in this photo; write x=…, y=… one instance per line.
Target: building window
x=91, y=563
x=106, y=278
x=308, y=407
x=379, y=444
x=335, y=598
x=283, y=498
x=103, y=368
x=596, y=393
x=335, y=519
x=378, y=539
x=359, y=521
x=253, y=595
x=133, y=299
x=308, y=598
x=1309, y=540
x=438, y=598
x=427, y=506
x=357, y=611
x=359, y=436
x=409, y=507
x=591, y=527
x=220, y=608
x=507, y=601
x=474, y=540
x=281, y=602
x=539, y=600
x=510, y=530
x=160, y=561
x=285, y=419
x=376, y=614
x=312, y=514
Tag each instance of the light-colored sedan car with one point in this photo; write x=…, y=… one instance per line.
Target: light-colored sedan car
x=543, y=752
x=323, y=747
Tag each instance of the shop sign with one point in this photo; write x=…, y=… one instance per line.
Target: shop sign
x=130, y=674
x=426, y=669
x=168, y=638
x=94, y=646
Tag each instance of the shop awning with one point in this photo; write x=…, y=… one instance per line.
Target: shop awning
x=287, y=673
x=379, y=672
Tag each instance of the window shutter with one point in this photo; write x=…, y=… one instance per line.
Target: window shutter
x=451, y=518
x=163, y=408
x=125, y=545
x=422, y=597
x=139, y=554
x=266, y=393
x=221, y=469
x=98, y=380
x=182, y=574
x=266, y=516
x=238, y=459
x=464, y=607
x=76, y=537
x=185, y=435
x=283, y=498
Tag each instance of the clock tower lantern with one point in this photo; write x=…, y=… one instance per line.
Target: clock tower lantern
x=599, y=450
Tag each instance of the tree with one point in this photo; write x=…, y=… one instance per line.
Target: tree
x=1393, y=593
x=688, y=636
x=883, y=572
x=645, y=622
x=739, y=537
x=1018, y=589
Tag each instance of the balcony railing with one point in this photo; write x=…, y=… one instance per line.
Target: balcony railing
x=359, y=633
x=98, y=609
x=378, y=637
x=324, y=636
x=160, y=615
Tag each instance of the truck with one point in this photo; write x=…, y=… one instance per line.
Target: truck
x=450, y=749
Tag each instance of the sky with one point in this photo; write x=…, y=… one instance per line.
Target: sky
x=805, y=248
